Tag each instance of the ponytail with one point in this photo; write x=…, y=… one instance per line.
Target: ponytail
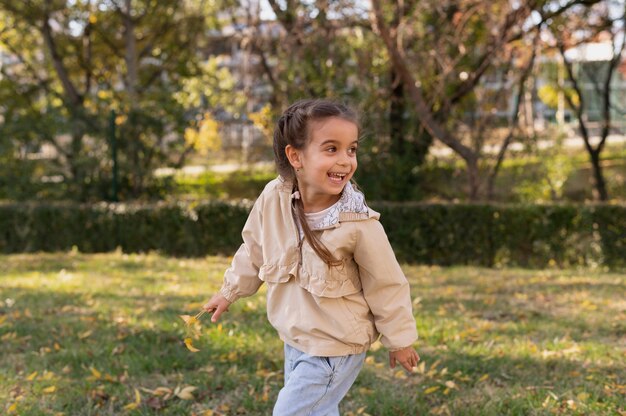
x=292, y=129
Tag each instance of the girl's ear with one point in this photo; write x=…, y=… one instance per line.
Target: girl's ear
x=294, y=156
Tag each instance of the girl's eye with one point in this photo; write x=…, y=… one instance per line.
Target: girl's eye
x=352, y=150
x=332, y=149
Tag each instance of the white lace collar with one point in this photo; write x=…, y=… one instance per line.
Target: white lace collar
x=351, y=201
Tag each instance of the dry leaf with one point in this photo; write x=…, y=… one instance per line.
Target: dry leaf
x=451, y=384
x=32, y=376
x=50, y=389
x=189, y=346
x=431, y=389
x=95, y=373
x=400, y=375
x=85, y=334
x=189, y=320
x=134, y=404
x=186, y=393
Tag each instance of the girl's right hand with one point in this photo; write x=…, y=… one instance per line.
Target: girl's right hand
x=218, y=304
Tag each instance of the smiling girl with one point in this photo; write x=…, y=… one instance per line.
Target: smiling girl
x=333, y=283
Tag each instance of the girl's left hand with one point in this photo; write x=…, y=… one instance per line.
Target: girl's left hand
x=407, y=357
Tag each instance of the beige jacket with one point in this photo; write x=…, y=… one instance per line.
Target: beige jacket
x=320, y=310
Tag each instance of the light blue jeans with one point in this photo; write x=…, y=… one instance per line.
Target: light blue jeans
x=314, y=386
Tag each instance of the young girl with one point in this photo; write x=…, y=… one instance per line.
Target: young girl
x=333, y=283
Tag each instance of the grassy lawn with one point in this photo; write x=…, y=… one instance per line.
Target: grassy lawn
x=100, y=335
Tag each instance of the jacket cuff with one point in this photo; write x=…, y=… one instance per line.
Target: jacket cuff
x=229, y=293
x=398, y=349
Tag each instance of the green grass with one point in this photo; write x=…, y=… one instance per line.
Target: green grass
x=80, y=333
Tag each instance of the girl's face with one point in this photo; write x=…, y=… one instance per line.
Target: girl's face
x=327, y=162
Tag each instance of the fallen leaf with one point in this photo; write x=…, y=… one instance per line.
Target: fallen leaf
x=400, y=375
x=451, y=384
x=97, y=374
x=155, y=403
x=118, y=349
x=186, y=393
x=134, y=404
x=583, y=396
x=431, y=390
x=85, y=334
x=50, y=389
x=32, y=376
x=189, y=346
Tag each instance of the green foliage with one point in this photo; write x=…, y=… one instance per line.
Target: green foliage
x=66, y=80
x=235, y=185
x=446, y=234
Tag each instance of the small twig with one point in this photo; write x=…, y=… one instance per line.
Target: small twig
x=199, y=314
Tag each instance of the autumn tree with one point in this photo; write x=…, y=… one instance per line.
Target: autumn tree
x=603, y=23
x=443, y=51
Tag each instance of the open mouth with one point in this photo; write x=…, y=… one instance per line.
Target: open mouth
x=337, y=177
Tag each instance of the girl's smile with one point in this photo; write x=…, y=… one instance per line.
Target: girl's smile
x=327, y=163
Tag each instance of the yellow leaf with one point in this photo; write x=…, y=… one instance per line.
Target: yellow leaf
x=400, y=375
x=131, y=406
x=85, y=334
x=50, y=389
x=48, y=375
x=189, y=346
x=583, y=396
x=2, y=319
x=160, y=391
x=431, y=390
x=93, y=19
x=12, y=408
x=57, y=347
x=186, y=393
x=208, y=413
x=421, y=368
x=189, y=320
x=32, y=376
x=95, y=373
x=483, y=378
x=134, y=404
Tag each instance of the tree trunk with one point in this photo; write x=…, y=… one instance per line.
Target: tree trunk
x=397, y=107
x=473, y=178
x=601, y=191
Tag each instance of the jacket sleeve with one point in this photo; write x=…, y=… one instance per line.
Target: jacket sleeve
x=385, y=287
x=242, y=277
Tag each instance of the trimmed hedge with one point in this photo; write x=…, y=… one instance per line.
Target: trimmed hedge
x=443, y=234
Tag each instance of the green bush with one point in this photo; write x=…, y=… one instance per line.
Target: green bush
x=443, y=234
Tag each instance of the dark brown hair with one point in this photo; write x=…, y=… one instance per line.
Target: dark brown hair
x=293, y=128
